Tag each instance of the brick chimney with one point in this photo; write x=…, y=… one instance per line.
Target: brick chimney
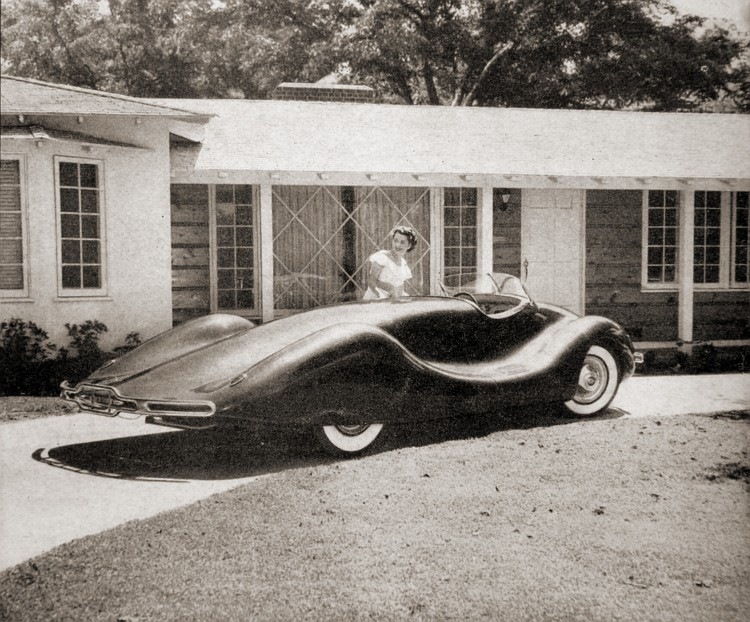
x=305, y=91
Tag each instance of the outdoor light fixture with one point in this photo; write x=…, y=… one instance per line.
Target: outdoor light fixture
x=504, y=195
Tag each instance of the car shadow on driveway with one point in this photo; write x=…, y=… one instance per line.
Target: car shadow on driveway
x=185, y=455
x=249, y=451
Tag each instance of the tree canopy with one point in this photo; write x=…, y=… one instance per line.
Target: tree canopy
x=635, y=54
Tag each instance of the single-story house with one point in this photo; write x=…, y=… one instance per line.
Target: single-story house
x=142, y=213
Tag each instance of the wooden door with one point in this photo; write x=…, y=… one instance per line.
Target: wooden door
x=552, y=242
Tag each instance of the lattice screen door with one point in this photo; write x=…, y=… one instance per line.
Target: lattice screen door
x=323, y=236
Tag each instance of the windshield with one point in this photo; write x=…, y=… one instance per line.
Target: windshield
x=495, y=284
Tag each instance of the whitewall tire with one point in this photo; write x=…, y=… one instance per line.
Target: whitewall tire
x=349, y=439
x=597, y=383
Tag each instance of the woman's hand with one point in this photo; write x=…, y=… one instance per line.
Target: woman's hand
x=374, y=282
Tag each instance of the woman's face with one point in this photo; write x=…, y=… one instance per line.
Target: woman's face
x=399, y=244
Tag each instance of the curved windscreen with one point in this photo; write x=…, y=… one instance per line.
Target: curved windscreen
x=496, y=283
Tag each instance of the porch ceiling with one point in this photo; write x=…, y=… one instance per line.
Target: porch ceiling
x=297, y=140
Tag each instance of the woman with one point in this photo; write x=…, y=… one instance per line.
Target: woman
x=387, y=270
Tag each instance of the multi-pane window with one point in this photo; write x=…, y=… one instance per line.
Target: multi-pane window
x=720, y=239
x=662, y=223
x=740, y=230
x=235, y=247
x=707, y=237
x=12, y=268
x=460, y=231
x=80, y=212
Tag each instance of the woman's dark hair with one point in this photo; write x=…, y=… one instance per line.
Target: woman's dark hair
x=408, y=233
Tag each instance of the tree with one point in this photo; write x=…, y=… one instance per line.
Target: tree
x=55, y=39
x=169, y=48
x=523, y=53
x=544, y=53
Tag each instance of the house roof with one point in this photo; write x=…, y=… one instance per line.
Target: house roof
x=253, y=135
x=34, y=97
x=38, y=132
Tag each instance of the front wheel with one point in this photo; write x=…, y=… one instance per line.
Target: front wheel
x=597, y=383
x=349, y=439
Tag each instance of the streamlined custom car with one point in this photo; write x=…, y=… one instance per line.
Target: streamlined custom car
x=350, y=369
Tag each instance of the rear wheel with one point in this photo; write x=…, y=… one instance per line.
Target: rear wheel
x=349, y=439
x=597, y=383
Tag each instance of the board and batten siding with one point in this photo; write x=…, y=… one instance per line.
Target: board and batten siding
x=190, y=252
x=613, y=279
x=506, y=235
x=613, y=268
x=721, y=315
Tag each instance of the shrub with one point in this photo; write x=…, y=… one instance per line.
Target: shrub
x=33, y=366
x=132, y=340
x=84, y=339
x=24, y=346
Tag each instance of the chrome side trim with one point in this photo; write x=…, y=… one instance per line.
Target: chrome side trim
x=104, y=400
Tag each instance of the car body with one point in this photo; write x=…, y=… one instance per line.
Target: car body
x=349, y=369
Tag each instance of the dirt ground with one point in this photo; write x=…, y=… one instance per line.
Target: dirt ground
x=534, y=518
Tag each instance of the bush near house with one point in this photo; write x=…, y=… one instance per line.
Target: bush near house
x=702, y=358
x=32, y=365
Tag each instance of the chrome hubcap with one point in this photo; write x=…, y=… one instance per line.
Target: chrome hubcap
x=353, y=430
x=592, y=381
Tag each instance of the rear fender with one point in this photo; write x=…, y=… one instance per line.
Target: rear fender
x=347, y=368
x=171, y=344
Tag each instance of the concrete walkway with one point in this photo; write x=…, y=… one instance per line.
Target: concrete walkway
x=129, y=470
x=644, y=396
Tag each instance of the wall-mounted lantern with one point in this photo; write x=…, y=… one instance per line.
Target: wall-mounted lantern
x=501, y=198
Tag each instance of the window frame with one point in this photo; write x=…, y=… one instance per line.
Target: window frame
x=24, y=292
x=459, y=229
x=724, y=244
x=647, y=285
x=213, y=226
x=727, y=243
x=81, y=292
x=733, y=241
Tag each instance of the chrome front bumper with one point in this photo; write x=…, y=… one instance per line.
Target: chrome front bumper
x=102, y=400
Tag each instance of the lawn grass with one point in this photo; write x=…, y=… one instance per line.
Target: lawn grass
x=23, y=408
x=622, y=518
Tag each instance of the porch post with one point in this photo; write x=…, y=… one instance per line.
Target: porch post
x=266, y=252
x=685, y=268
x=436, y=239
x=484, y=230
